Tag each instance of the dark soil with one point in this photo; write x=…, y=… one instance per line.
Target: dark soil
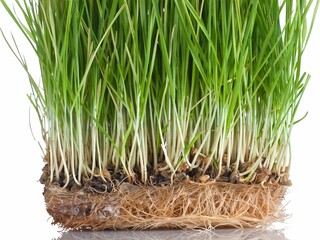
x=163, y=178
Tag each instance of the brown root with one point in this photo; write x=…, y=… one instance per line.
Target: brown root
x=184, y=204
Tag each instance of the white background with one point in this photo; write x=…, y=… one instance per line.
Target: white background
x=22, y=209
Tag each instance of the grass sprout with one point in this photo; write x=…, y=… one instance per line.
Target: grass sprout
x=127, y=85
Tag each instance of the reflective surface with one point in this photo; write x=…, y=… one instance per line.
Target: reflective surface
x=220, y=234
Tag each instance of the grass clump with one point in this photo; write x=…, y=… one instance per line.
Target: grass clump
x=166, y=87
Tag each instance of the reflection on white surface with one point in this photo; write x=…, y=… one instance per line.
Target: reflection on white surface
x=218, y=234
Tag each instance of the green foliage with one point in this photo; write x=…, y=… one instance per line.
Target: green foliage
x=128, y=84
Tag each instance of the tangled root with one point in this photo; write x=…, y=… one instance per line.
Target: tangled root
x=185, y=205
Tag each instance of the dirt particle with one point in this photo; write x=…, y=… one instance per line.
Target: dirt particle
x=234, y=177
x=103, y=172
x=225, y=159
x=223, y=170
x=193, y=152
x=205, y=161
x=160, y=178
x=204, y=178
x=120, y=176
x=166, y=174
x=44, y=178
x=261, y=178
x=284, y=180
x=223, y=179
x=265, y=171
x=183, y=167
x=180, y=176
